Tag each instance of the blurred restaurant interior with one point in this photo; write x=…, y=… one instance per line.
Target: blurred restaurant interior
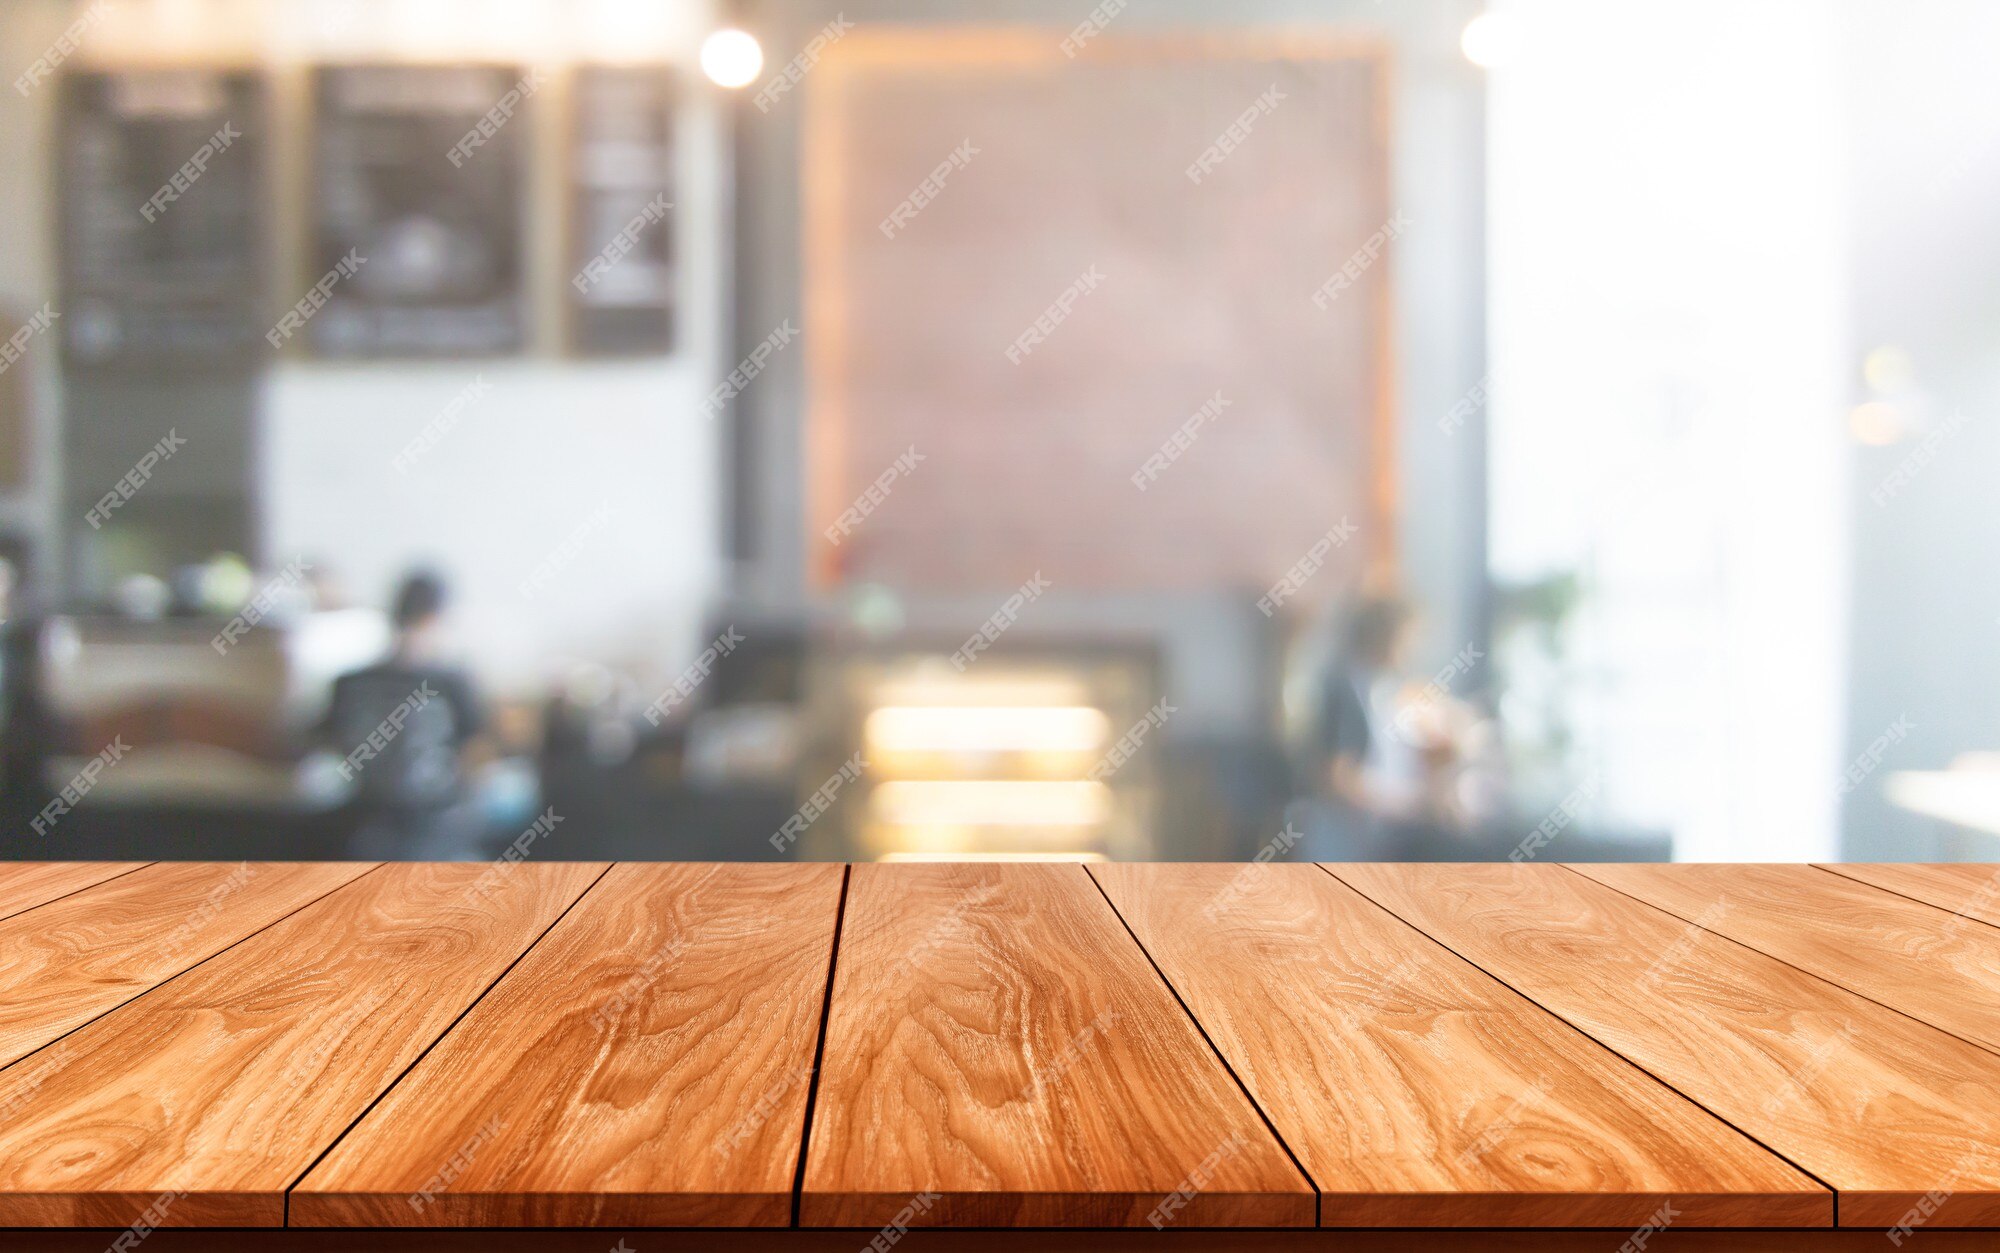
x=893, y=429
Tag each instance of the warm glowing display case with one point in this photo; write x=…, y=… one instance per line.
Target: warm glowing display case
x=1035, y=751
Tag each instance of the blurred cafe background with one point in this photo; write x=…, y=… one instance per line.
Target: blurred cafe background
x=757, y=429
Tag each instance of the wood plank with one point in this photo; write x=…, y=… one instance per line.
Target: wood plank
x=1883, y=1108
x=1416, y=1090
x=999, y=1052
x=647, y=1065
x=1929, y=963
x=77, y=957
x=201, y=1101
x=1968, y=889
x=26, y=884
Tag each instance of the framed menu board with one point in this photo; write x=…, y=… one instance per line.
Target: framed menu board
x=622, y=273
x=418, y=202
x=161, y=185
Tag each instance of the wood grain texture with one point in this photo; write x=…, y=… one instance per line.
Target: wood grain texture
x=26, y=884
x=1931, y=964
x=1968, y=889
x=1883, y=1108
x=647, y=1065
x=999, y=1052
x=74, y=958
x=1418, y=1091
x=200, y=1102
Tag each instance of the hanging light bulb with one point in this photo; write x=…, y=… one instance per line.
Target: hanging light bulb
x=731, y=58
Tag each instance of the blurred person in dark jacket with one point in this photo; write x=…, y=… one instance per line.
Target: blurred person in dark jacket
x=27, y=727
x=406, y=729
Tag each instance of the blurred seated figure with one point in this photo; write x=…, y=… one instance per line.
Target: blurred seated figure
x=1386, y=754
x=405, y=730
x=26, y=726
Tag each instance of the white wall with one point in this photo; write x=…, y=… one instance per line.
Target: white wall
x=527, y=466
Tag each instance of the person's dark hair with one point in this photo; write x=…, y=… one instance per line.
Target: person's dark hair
x=419, y=598
x=1372, y=629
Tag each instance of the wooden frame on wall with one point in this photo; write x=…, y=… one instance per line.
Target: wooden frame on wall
x=835, y=137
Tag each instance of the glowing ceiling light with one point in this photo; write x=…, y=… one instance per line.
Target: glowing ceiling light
x=1888, y=369
x=1876, y=423
x=731, y=58
x=1488, y=40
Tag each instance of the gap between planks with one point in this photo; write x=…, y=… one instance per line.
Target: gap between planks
x=819, y=1048
x=243, y=939
x=131, y=868
x=1834, y=869
x=458, y=1018
x=1581, y=1032
x=1206, y=1039
x=826, y=1001
x=1815, y=976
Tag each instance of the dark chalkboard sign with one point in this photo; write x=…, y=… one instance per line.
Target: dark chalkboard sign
x=418, y=204
x=161, y=186
x=621, y=284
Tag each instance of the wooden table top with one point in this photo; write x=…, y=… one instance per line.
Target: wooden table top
x=1183, y=1047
